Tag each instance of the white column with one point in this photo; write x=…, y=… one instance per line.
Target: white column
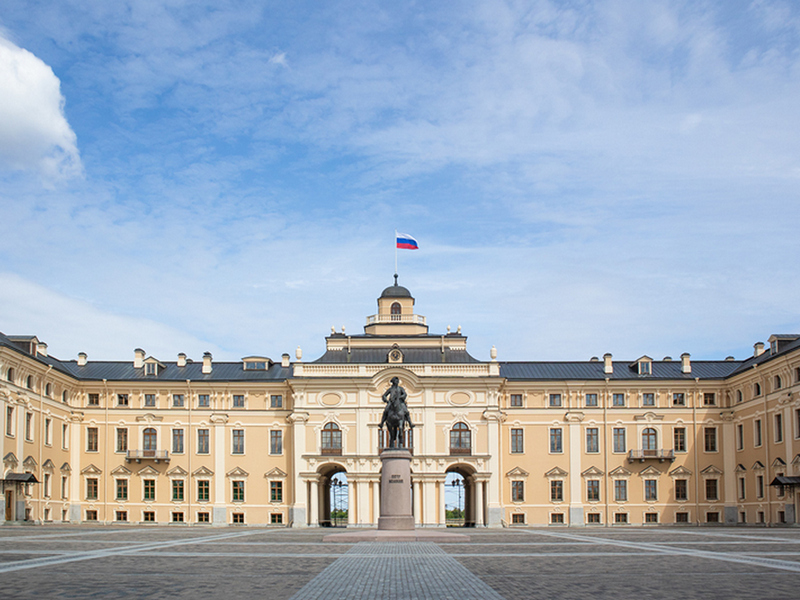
x=418, y=502
x=220, y=516
x=428, y=503
x=728, y=446
x=75, y=478
x=478, y=502
x=363, y=502
x=313, y=513
x=575, y=480
x=297, y=510
x=442, y=518
x=352, y=509
x=494, y=417
x=376, y=502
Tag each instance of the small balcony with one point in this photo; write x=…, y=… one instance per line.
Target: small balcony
x=660, y=455
x=154, y=455
x=460, y=451
x=331, y=451
x=381, y=319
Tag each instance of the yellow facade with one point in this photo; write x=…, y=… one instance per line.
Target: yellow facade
x=257, y=442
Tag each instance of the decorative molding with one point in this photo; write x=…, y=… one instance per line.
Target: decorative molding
x=556, y=472
x=275, y=473
x=120, y=470
x=620, y=473
x=148, y=471
x=177, y=471
x=650, y=471
x=740, y=468
x=30, y=463
x=149, y=418
x=517, y=472
x=758, y=466
x=91, y=470
x=237, y=472
x=219, y=418
x=574, y=417
x=203, y=472
x=649, y=416
x=710, y=471
x=10, y=461
x=592, y=472
x=65, y=468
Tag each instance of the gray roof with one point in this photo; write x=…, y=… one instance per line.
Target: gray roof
x=410, y=355
x=593, y=370
x=221, y=371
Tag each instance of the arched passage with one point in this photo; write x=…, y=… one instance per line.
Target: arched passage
x=334, y=497
x=461, y=493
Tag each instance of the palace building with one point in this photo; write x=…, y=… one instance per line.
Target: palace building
x=601, y=442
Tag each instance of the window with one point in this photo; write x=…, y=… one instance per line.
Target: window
x=760, y=516
x=64, y=436
x=712, y=517
x=150, y=400
x=739, y=396
x=150, y=438
x=238, y=491
x=94, y=399
x=679, y=399
x=593, y=518
x=203, y=401
x=177, y=441
x=591, y=400
x=149, y=516
x=621, y=518
x=517, y=518
x=48, y=390
x=740, y=436
x=276, y=519
x=517, y=442
x=710, y=439
x=122, y=399
x=742, y=488
x=651, y=517
x=555, y=399
x=619, y=439
x=618, y=400
x=91, y=515
x=650, y=490
x=648, y=399
x=778, y=428
x=276, y=442
x=122, y=439
x=592, y=490
x=460, y=439
x=91, y=439
x=395, y=310
x=276, y=401
x=557, y=519
x=681, y=490
x=709, y=399
x=556, y=441
x=9, y=420
x=238, y=401
x=64, y=487
x=681, y=517
x=644, y=368
x=202, y=441
x=149, y=490
x=203, y=517
x=517, y=491
x=122, y=489
x=276, y=491
x=556, y=491
x=29, y=382
x=177, y=400
x=778, y=383
x=649, y=439
x=796, y=423
x=760, y=486
x=203, y=490
x=150, y=368
x=238, y=518
x=516, y=400
x=91, y=488
x=592, y=440
x=780, y=489
x=712, y=494
x=332, y=439
x=29, y=427
x=10, y=375
x=47, y=485
x=48, y=431
x=65, y=396
x=757, y=425
x=177, y=490
x=121, y=515
x=238, y=441
x=620, y=490
x=756, y=389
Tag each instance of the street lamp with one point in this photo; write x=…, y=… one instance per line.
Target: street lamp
x=459, y=485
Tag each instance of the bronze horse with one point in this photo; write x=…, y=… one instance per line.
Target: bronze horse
x=395, y=414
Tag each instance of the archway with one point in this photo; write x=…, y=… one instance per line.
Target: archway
x=461, y=508
x=334, y=497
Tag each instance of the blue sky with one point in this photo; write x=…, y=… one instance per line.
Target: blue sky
x=582, y=177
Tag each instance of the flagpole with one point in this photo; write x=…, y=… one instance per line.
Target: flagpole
x=395, y=256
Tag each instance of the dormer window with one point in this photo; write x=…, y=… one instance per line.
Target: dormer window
x=150, y=369
x=255, y=363
x=643, y=366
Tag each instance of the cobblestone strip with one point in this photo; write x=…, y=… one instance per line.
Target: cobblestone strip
x=396, y=571
x=785, y=565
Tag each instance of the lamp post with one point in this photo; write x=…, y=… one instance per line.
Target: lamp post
x=336, y=486
x=458, y=484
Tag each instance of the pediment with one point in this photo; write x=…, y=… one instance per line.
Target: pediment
x=680, y=472
x=149, y=418
x=517, y=472
x=649, y=416
x=10, y=461
x=758, y=466
x=778, y=463
x=203, y=472
x=796, y=461
x=237, y=472
x=148, y=471
x=177, y=471
x=30, y=463
x=556, y=472
x=650, y=471
x=740, y=468
x=592, y=472
x=121, y=470
x=65, y=468
x=620, y=472
x=91, y=470
x=711, y=470
x=48, y=465
x=276, y=473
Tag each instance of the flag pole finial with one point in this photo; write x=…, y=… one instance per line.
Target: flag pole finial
x=395, y=279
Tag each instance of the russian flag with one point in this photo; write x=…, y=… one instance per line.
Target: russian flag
x=406, y=242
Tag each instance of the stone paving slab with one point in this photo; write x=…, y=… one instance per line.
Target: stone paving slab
x=383, y=535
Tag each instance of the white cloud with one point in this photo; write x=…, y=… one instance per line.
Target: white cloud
x=34, y=133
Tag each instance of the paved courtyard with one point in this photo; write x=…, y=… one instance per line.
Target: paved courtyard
x=547, y=563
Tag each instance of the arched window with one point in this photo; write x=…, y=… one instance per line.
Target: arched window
x=778, y=382
x=48, y=390
x=649, y=439
x=460, y=439
x=29, y=382
x=331, y=439
x=739, y=396
x=150, y=440
x=10, y=374
x=396, y=310
x=756, y=389
x=64, y=396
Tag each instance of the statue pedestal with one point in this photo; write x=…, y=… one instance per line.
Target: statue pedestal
x=396, y=491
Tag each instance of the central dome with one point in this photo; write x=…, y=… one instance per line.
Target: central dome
x=396, y=291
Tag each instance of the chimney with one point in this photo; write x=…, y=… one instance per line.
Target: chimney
x=82, y=359
x=138, y=358
x=686, y=365
x=206, y=363
x=42, y=348
x=284, y=360
x=758, y=348
x=608, y=367
x=181, y=360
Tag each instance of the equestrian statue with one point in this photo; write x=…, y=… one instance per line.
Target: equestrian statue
x=395, y=414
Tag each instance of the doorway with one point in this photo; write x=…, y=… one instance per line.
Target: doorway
x=9, y=505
